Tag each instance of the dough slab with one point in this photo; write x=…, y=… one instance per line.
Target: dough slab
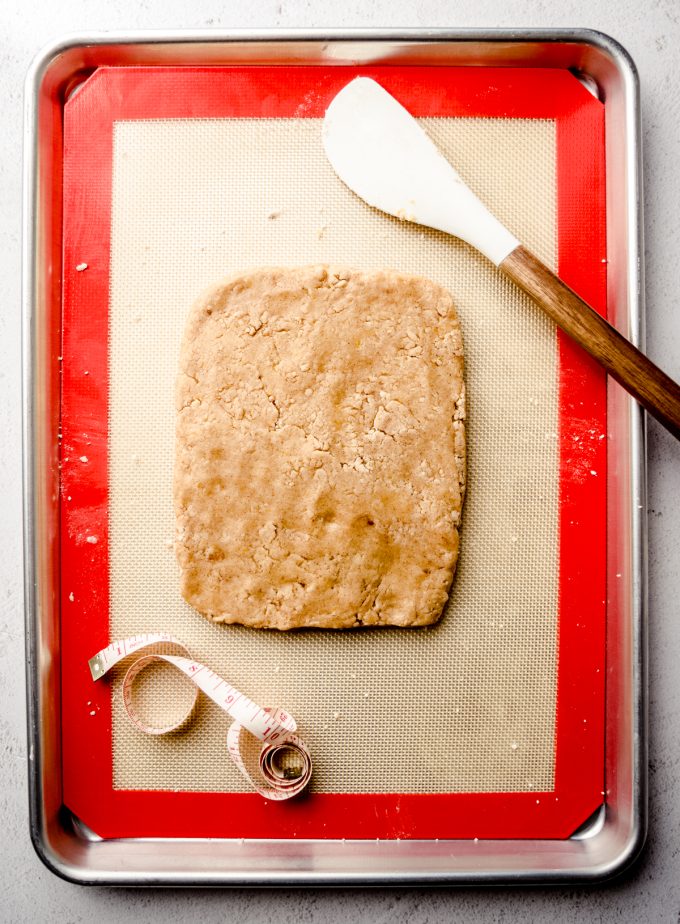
x=320, y=449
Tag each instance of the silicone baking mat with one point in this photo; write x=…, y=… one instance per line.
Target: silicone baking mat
x=489, y=724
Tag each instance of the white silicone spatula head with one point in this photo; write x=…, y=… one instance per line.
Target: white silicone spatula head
x=378, y=149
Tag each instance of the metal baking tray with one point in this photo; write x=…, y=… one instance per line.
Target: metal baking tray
x=612, y=838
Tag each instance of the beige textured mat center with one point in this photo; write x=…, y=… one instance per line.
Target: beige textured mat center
x=468, y=705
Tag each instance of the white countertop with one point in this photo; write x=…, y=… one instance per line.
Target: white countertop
x=651, y=891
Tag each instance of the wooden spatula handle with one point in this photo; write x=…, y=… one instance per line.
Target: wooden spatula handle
x=655, y=391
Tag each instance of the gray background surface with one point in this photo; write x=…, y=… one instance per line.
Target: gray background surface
x=651, y=891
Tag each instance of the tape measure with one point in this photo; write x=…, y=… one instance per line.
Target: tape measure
x=285, y=764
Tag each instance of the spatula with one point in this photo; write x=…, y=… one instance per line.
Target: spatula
x=378, y=149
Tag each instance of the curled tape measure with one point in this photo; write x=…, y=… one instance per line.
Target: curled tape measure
x=285, y=765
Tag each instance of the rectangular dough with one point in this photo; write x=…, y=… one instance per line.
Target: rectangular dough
x=320, y=451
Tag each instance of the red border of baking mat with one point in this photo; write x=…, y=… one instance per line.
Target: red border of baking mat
x=134, y=93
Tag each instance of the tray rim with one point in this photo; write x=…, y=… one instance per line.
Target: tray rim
x=46, y=846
